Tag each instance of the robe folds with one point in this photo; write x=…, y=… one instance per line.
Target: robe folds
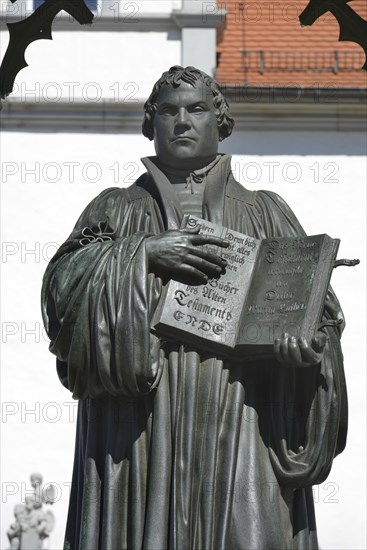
x=175, y=448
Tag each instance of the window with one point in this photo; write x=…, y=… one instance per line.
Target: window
x=92, y=4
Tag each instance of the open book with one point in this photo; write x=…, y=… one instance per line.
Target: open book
x=270, y=286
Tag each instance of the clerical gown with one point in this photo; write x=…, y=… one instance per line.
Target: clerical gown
x=177, y=448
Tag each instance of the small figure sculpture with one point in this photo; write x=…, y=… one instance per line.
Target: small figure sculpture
x=33, y=524
x=179, y=448
x=42, y=493
x=15, y=529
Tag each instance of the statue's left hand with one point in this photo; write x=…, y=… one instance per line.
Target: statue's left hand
x=294, y=352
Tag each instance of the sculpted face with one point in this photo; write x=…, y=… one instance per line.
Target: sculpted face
x=185, y=126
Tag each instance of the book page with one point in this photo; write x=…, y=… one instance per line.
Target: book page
x=212, y=311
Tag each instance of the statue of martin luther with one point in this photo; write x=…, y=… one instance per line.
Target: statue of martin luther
x=177, y=448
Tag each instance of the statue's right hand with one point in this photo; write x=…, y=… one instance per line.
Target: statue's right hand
x=182, y=255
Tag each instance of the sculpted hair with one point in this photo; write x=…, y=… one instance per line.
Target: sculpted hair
x=190, y=75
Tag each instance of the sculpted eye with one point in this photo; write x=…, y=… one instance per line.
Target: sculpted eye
x=198, y=109
x=167, y=110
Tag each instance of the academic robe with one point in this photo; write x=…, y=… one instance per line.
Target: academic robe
x=176, y=448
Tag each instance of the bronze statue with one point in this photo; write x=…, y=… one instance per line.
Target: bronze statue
x=179, y=448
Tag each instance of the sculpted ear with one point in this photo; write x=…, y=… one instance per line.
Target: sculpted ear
x=148, y=130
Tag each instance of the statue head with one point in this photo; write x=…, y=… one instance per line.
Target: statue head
x=19, y=511
x=190, y=75
x=36, y=479
x=186, y=115
x=30, y=501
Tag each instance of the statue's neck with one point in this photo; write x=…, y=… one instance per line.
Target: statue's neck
x=176, y=175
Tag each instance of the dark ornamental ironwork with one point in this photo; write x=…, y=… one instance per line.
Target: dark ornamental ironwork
x=353, y=27
x=37, y=26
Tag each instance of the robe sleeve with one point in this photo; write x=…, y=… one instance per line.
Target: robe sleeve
x=312, y=427
x=95, y=303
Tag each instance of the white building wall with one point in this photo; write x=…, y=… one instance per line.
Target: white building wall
x=25, y=7
x=95, y=66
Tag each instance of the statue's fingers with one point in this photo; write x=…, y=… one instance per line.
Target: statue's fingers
x=318, y=342
x=309, y=356
x=209, y=255
x=294, y=351
x=199, y=240
x=188, y=273
x=207, y=267
x=284, y=352
x=277, y=353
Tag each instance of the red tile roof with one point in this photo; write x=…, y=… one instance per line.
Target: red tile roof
x=292, y=55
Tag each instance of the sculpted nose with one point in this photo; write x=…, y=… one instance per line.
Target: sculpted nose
x=183, y=118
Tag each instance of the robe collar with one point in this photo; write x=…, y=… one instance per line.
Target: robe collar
x=219, y=180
